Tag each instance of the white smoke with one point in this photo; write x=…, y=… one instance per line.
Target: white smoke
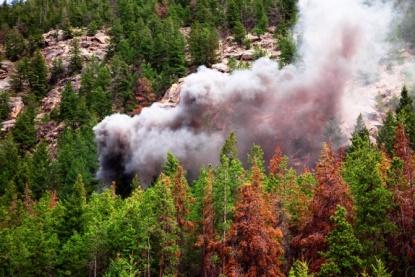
x=342, y=44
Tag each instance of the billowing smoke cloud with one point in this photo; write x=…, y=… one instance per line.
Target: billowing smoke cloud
x=341, y=42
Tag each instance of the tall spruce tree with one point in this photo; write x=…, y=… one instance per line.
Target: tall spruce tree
x=344, y=249
x=75, y=62
x=362, y=171
x=203, y=43
x=386, y=133
x=38, y=75
x=405, y=114
x=24, y=132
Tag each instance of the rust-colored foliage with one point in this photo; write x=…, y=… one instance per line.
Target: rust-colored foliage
x=275, y=162
x=403, y=243
x=182, y=199
x=253, y=247
x=330, y=191
x=403, y=150
x=207, y=240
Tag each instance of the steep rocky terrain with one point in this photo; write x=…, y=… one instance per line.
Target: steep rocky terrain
x=373, y=100
x=56, y=47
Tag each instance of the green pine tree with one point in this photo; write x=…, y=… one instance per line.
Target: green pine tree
x=69, y=102
x=344, y=249
x=75, y=62
x=38, y=75
x=239, y=32
x=362, y=171
x=4, y=105
x=299, y=269
x=261, y=18
x=405, y=114
x=41, y=165
x=15, y=45
x=74, y=201
x=203, y=43
x=386, y=133
x=171, y=165
x=24, y=132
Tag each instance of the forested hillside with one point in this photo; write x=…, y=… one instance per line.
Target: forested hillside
x=66, y=65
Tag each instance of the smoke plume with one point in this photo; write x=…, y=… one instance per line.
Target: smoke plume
x=341, y=44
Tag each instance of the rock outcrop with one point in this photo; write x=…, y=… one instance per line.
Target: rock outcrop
x=229, y=49
x=53, y=99
x=16, y=106
x=90, y=46
x=6, y=71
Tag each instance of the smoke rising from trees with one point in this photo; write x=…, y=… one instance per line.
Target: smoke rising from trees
x=339, y=42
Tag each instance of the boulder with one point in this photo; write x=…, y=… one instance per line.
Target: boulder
x=16, y=106
x=7, y=125
x=222, y=67
x=6, y=72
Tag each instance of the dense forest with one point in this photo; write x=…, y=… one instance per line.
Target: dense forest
x=353, y=214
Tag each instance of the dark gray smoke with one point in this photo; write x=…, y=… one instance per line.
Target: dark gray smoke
x=263, y=105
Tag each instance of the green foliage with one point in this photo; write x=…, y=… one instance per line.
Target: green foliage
x=203, y=43
x=41, y=169
x=239, y=32
x=229, y=176
x=259, y=52
x=379, y=269
x=24, y=132
x=92, y=28
x=57, y=71
x=38, y=75
x=76, y=155
x=4, y=105
x=405, y=114
x=19, y=78
x=100, y=102
x=15, y=45
x=386, y=134
x=256, y=157
x=299, y=269
x=287, y=47
x=122, y=85
x=31, y=249
x=344, y=249
x=121, y=267
x=75, y=62
x=69, y=104
x=362, y=171
x=233, y=14
x=74, y=202
x=9, y=158
x=171, y=165
x=229, y=148
x=95, y=85
x=261, y=18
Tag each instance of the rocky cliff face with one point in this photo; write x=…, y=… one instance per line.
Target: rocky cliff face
x=56, y=47
x=228, y=51
x=376, y=98
x=90, y=46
